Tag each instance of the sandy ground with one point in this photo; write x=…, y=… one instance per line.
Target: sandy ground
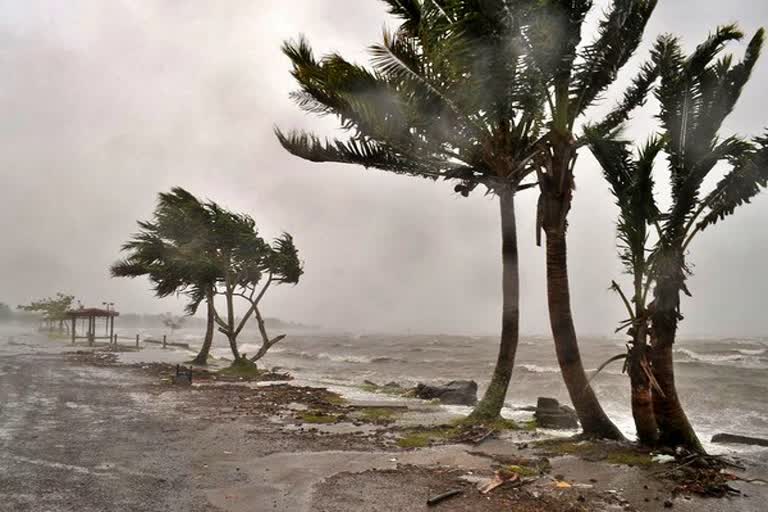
x=83, y=437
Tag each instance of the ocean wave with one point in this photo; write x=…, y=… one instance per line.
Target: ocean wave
x=534, y=368
x=744, y=358
x=338, y=358
x=752, y=352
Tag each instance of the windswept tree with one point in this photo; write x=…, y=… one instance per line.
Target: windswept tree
x=575, y=75
x=53, y=310
x=176, y=234
x=450, y=95
x=630, y=178
x=246, y=267
x=696, y=93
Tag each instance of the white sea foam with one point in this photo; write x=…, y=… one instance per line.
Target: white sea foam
x=534, y=368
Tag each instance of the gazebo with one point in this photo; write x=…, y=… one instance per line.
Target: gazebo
x=92, y=315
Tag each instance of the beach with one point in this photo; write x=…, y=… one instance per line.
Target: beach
x=90, y=429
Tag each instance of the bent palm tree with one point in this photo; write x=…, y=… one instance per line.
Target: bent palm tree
x=631, y=183
x=451, y=96
x=696, y=94
x=167, y=250
x=575, y=78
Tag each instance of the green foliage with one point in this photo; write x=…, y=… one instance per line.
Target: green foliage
x=449, y=95
x=242, y=368
x=52, y=308
x=201, y=249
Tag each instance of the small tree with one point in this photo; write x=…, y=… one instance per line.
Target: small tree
x=53, y=310
x=167, y=251
x=247, y=267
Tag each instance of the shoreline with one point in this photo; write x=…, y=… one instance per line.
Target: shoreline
x=268, y=444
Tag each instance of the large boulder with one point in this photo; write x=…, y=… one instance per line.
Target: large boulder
x=550, y=414
x=734, y=439
x=456, y=392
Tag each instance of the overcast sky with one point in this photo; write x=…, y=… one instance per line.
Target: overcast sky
x=105, y=104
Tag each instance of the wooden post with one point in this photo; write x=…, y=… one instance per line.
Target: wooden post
x=164, y=340
x=111, y=321
x=137, y=341
x=74, y=326
x=91, y=330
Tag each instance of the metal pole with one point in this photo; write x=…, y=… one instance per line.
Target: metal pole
x=137, y=341
x=164, y=336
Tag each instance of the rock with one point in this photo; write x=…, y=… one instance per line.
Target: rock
x=734, y=439
x=456, y=392
x=370, y=383
x=550, y=414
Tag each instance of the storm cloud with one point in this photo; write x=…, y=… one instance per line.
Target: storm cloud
x=104, y=104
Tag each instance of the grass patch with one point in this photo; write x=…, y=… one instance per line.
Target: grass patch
x=629, y=458
x=415, y=440
x=498, y=425
x=378, y=414
x=317, y=417
x=608, y=452
x=242, y=368
x=523, y=471
x=334, y=398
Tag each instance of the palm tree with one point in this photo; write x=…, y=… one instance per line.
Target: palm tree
x=575, y=77
x=631, y=183
x=451, y=95
x=696, y=94
x=172, y=237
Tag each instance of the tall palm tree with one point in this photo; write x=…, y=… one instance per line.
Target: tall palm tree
x=696, y=93
x=172, y=237
x=451, y=95
x=575, y=77
x=631, y=182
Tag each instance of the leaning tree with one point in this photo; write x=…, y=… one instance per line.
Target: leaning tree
x=450, y=95
x=246, y=267
x=575, y=75
x=167, y=250
x=696, y=93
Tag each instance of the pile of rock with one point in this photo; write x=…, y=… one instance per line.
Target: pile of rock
x=456, y=392
x=550, y=414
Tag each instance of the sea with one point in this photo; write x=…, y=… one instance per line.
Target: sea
x=722, y=382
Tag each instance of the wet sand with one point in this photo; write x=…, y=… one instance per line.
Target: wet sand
x=82, y=436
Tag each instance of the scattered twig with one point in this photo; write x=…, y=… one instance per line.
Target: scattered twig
x=434, y=500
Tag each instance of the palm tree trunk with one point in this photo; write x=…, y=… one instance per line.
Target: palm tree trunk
x=489, y=408
x=642, y=396
x=593, y=419
x=202, y=357
x=674, y=428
